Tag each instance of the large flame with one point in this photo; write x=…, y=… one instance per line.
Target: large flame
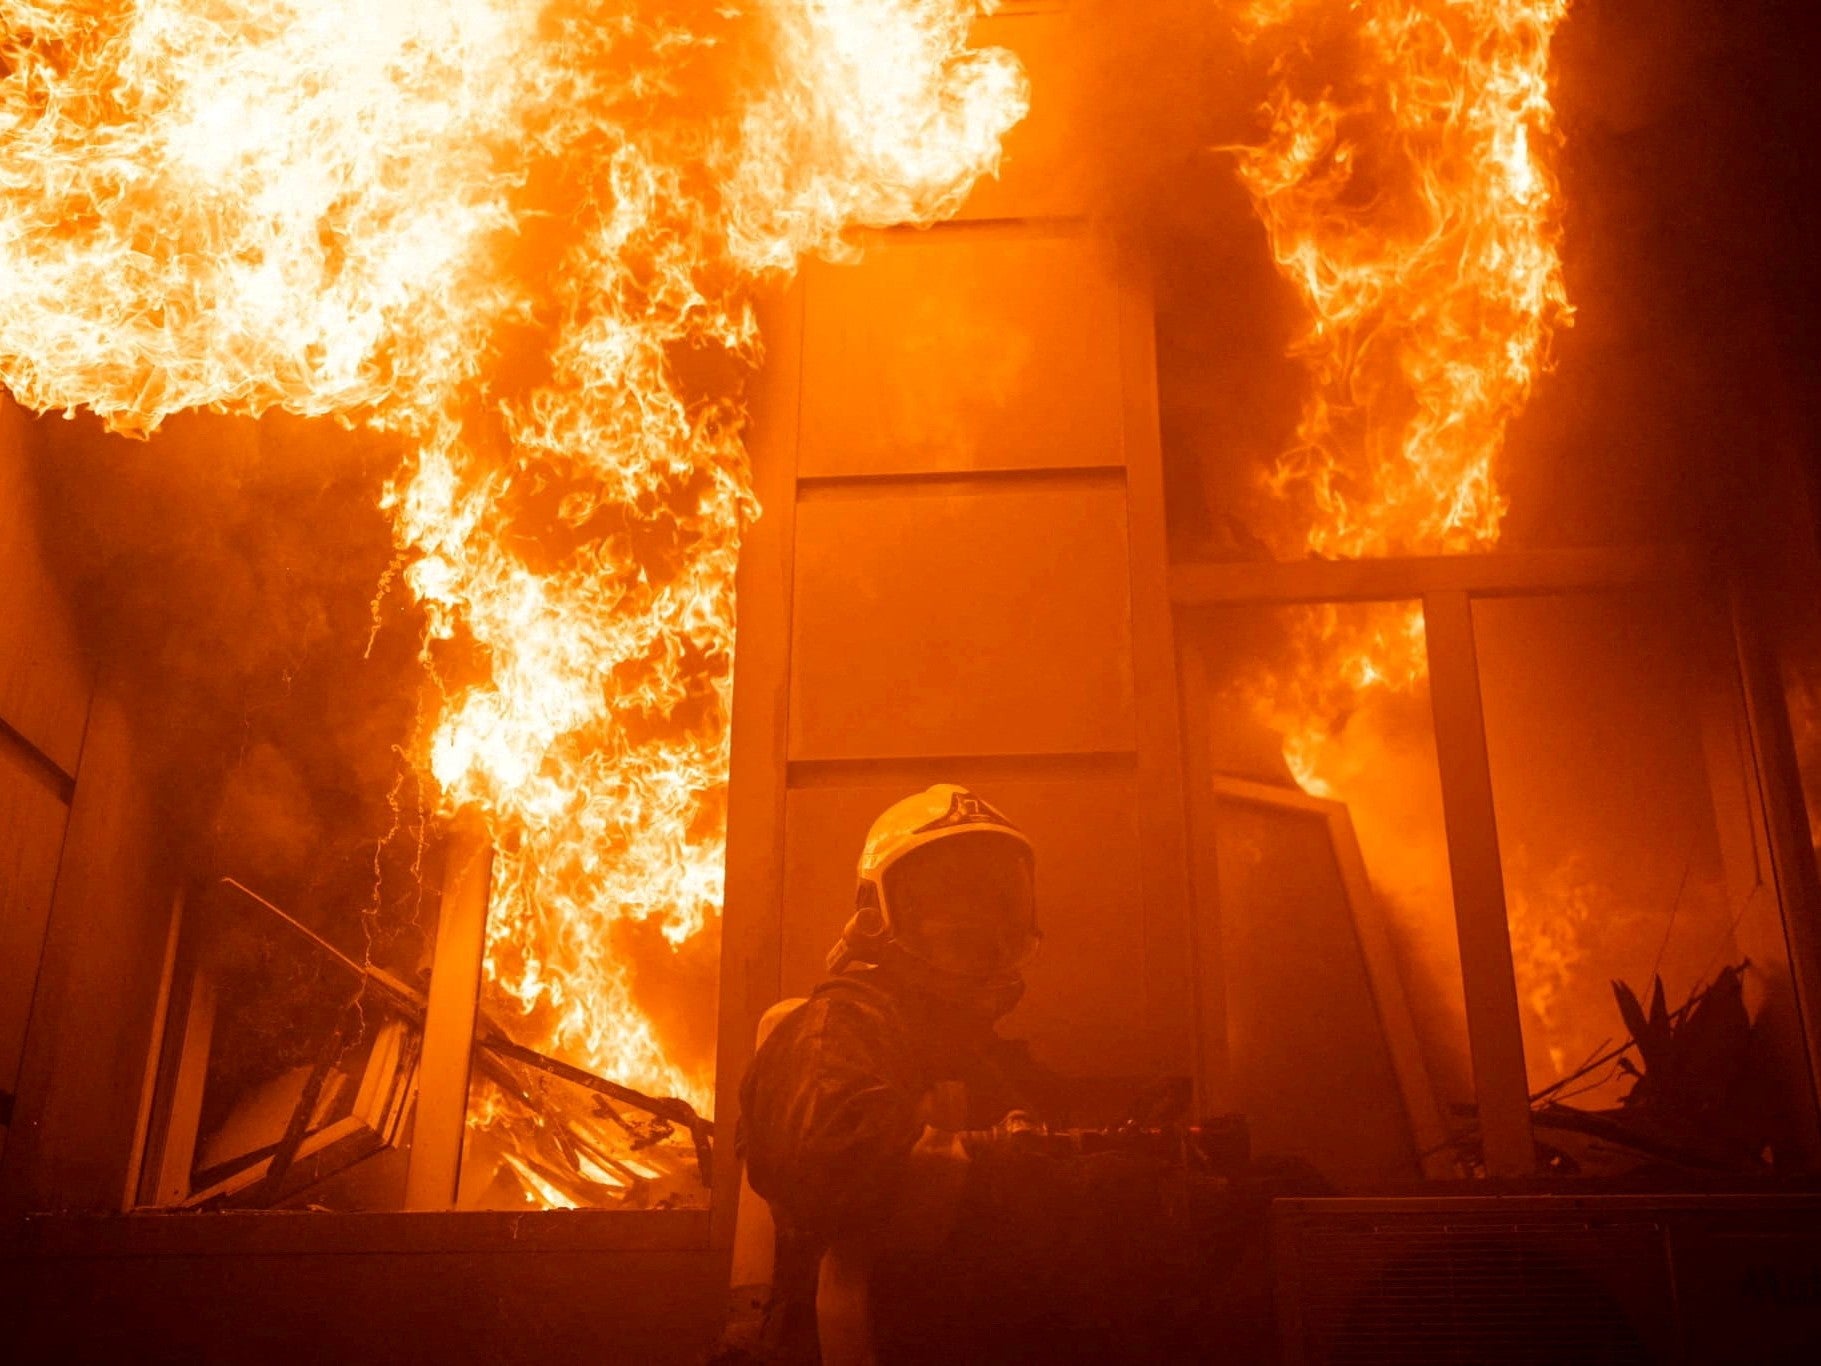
x=518, y=233
x=1409, y=202
x=1408, y=197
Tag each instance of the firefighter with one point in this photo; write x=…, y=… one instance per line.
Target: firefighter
x=897, y=1138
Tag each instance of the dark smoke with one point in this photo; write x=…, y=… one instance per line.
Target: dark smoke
x=224, y=576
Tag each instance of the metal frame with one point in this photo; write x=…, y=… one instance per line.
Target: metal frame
x=1428, y=1131
x=1447, y=586
x=433, y=1172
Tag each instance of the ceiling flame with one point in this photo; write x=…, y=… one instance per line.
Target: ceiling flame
x=519, y=234
x=1409, y=203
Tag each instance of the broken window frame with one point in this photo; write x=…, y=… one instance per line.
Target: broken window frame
x=422, y=1072
x=1447, y=588
x=163, y=1173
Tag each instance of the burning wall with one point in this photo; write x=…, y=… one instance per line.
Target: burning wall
x=552, y=376
x=518, y=239
x=1418, y=285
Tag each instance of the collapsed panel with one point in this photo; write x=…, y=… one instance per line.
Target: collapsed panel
x=1344, y=1010
x=1310, y=1067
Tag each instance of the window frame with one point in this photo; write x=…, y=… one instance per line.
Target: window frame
x=1447, y=588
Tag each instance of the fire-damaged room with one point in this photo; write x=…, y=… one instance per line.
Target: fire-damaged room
x=879, y=681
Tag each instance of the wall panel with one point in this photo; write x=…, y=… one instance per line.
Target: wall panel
x=928, y=621
x=44, y=697
x=44, y=679
x=1042, y=174
x=85, y=1047
x=961, y=350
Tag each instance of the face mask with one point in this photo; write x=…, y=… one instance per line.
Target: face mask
x=965, y=905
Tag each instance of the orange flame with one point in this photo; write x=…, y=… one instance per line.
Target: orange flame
x=1408, y=203
x=511, y=231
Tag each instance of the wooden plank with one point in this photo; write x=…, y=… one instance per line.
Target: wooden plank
x=434, y=1169
x=183, y=1115
x=1427, y=1128
x=1169, y=972
x=751, y=919
x=1494, y=1030
x=45, y=678
x=148, y=1086
x=1210, y=584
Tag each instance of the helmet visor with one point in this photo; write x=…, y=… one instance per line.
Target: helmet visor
x=965, y=903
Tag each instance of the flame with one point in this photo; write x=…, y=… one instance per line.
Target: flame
x=1409, y=202
x=1409, y=205
x=523, y=235
x=881, y=116
x=242, y=206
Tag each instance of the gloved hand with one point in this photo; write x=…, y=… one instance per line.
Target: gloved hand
x=1016, y=1132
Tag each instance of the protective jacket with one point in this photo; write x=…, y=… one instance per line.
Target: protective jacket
x=1100, y=1258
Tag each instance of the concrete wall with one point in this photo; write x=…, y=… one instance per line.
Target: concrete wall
x=84, y=906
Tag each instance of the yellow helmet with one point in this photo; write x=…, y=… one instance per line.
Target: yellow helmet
x=945, y=878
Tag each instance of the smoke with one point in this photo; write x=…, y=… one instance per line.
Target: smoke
x=225, y=576
x=1172, y=89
